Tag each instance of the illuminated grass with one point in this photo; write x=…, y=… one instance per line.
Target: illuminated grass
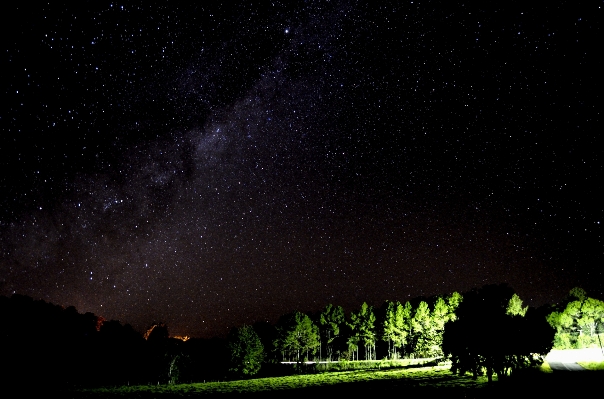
x=374, y=364
x=436, y=377
x=599, y=366
x=545, y=368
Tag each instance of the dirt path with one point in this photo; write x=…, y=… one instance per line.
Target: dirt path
x=566, y=360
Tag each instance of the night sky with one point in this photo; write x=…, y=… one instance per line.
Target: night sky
x=215, y=165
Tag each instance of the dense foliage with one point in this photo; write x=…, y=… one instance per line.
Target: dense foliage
x=246, y=350
x=491, y=335
x=298, y=337
x=578, y=320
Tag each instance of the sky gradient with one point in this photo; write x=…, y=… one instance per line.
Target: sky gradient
x=209, y=166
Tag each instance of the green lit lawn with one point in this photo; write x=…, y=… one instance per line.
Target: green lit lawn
x=435, y=377
x=422, y=381
x=592, y=365
x=545, y=367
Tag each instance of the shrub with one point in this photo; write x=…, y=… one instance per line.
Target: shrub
x=563, y=341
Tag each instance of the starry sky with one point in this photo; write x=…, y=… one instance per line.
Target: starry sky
x=210, y=165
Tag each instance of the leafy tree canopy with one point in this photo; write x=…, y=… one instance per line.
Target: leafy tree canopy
x=331, y=321
x=246, y=350
x=297, y=334
x=578, y=320
x=515, y=306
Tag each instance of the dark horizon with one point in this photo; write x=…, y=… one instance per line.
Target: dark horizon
x=210, y=166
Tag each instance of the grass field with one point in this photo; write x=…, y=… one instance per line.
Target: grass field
x=545, y=368
x=434, y=377
x=410, y=381
x=599, y=366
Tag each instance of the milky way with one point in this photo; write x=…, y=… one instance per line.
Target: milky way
x=209, y=166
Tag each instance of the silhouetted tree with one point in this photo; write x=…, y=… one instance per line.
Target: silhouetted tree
x=121, y=358
x=267, y=334
x=158, y=332
x=164, y=353
x=206, y=360
x=485, y=339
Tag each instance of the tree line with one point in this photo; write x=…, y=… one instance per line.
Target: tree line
x=487, y=331
x=48, y=346
x=60, y=347
x=394, y=330
x=484, y=331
